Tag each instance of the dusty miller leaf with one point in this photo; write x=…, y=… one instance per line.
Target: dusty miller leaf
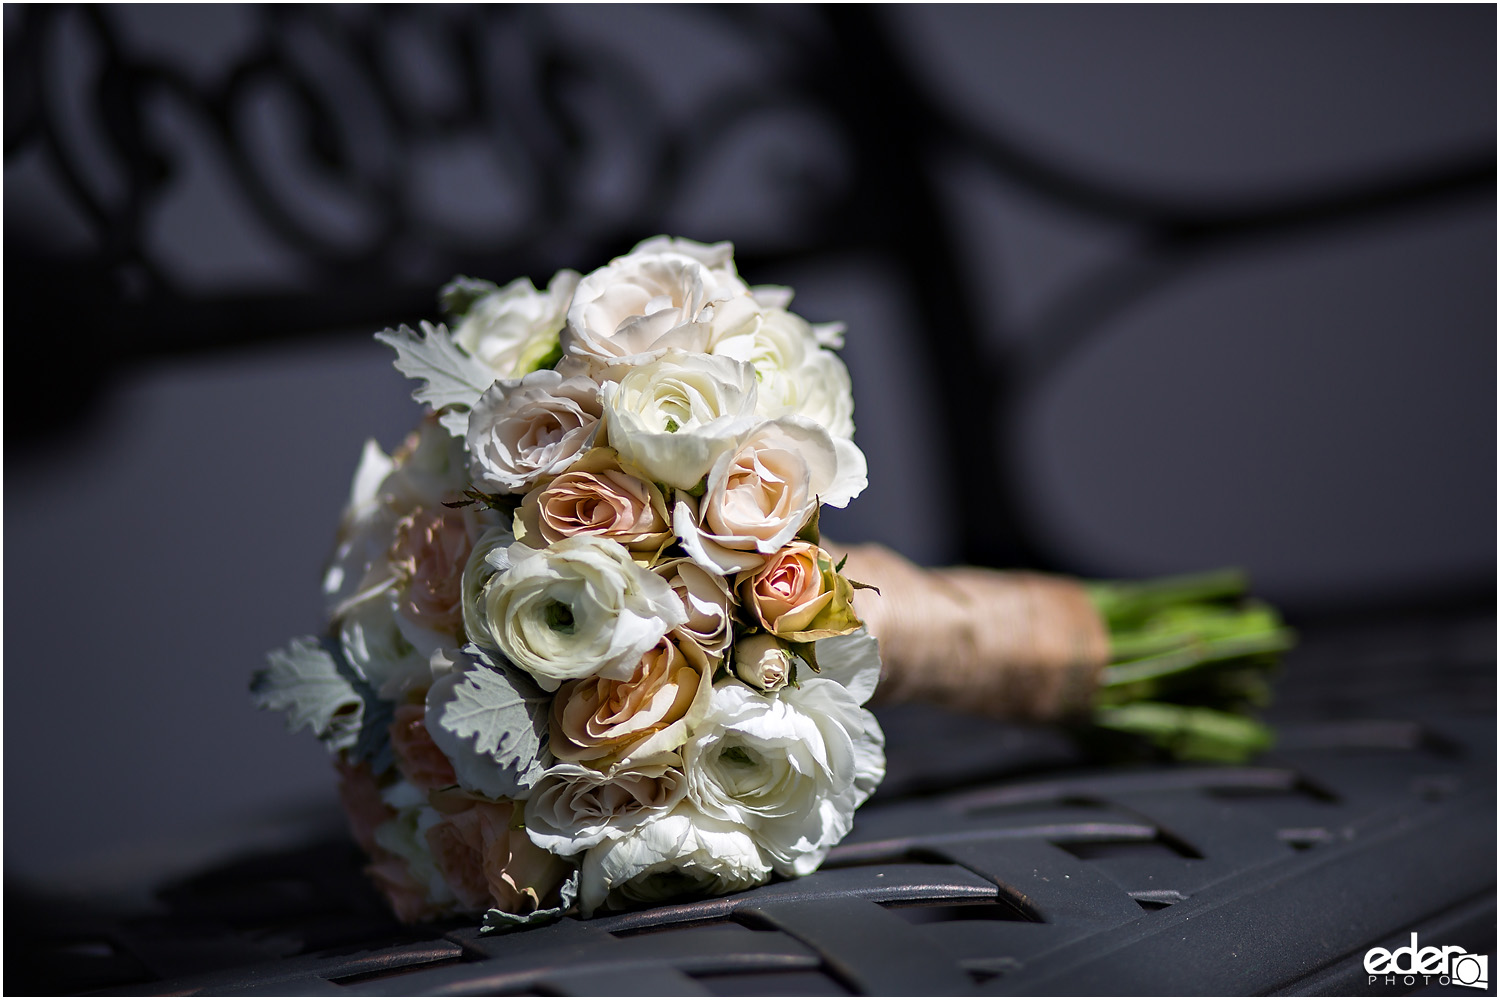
x=491, y=723
x=450, y=378
x=304, y=681
x=498, y=921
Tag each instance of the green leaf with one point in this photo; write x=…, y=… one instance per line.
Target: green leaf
x=809, y=532
x=304, y=681
x=491, y=723
x=451, y=380
x=459, y=295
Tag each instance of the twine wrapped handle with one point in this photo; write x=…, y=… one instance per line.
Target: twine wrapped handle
x=1017, y=646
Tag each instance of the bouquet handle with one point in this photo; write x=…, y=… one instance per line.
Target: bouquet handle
x=1012, y=645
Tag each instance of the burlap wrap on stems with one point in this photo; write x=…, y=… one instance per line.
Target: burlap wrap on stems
x=1019, y=646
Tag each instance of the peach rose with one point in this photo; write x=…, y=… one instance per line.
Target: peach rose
x=428, y=555
x=418, y=757
x=596, y=496
x=598, y=719
x=487, y=859
x=798, y=595
x=790, y=589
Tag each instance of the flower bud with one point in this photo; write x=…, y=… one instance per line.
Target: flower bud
x=762, y=662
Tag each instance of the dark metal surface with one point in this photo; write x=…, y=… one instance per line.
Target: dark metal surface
x=1017, y=868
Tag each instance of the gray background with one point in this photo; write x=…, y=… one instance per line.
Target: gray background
x=1316, y=407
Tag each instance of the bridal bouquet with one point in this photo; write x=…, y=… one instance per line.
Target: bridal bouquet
x=584, y=647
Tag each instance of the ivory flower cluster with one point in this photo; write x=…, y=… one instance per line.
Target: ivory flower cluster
x=584, y=648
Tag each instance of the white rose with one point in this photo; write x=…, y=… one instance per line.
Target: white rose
x=663, y=294
x=760, y=494
x=577, y=608
x=532, y=428
x=791, y=768
x=673, y=417
x=514, y=328
x=574, y=807
x=682, y=855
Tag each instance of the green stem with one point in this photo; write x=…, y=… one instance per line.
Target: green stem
x=1194, y=655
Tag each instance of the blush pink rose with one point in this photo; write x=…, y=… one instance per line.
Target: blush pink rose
x=428, y=555
x=789, y=591
x=487, y=860
x=417, y=756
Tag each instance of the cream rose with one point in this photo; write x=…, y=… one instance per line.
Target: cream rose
x=673, y=417
x=682, y=855
x=707, y=601
x=515, y=327
x=577, y=608
x=529, y=429
x=596, y=496
x=663, y=294
x=602, y=719
x=574, y=807
x=790, y=768
x=760, y=494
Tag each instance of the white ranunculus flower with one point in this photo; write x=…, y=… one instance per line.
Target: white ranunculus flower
x=375, y=645
x=821, y=391
x=514, y=328
x=666, y=293
x=791, y=768
x=673, y=417
x=796, y=376
x=761, y=493
x=529, y=429
x=489, y=558
x=681, y=855
x=577, y=608
x=574, y=807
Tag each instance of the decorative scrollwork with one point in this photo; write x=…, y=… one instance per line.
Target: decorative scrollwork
x=357, y=157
